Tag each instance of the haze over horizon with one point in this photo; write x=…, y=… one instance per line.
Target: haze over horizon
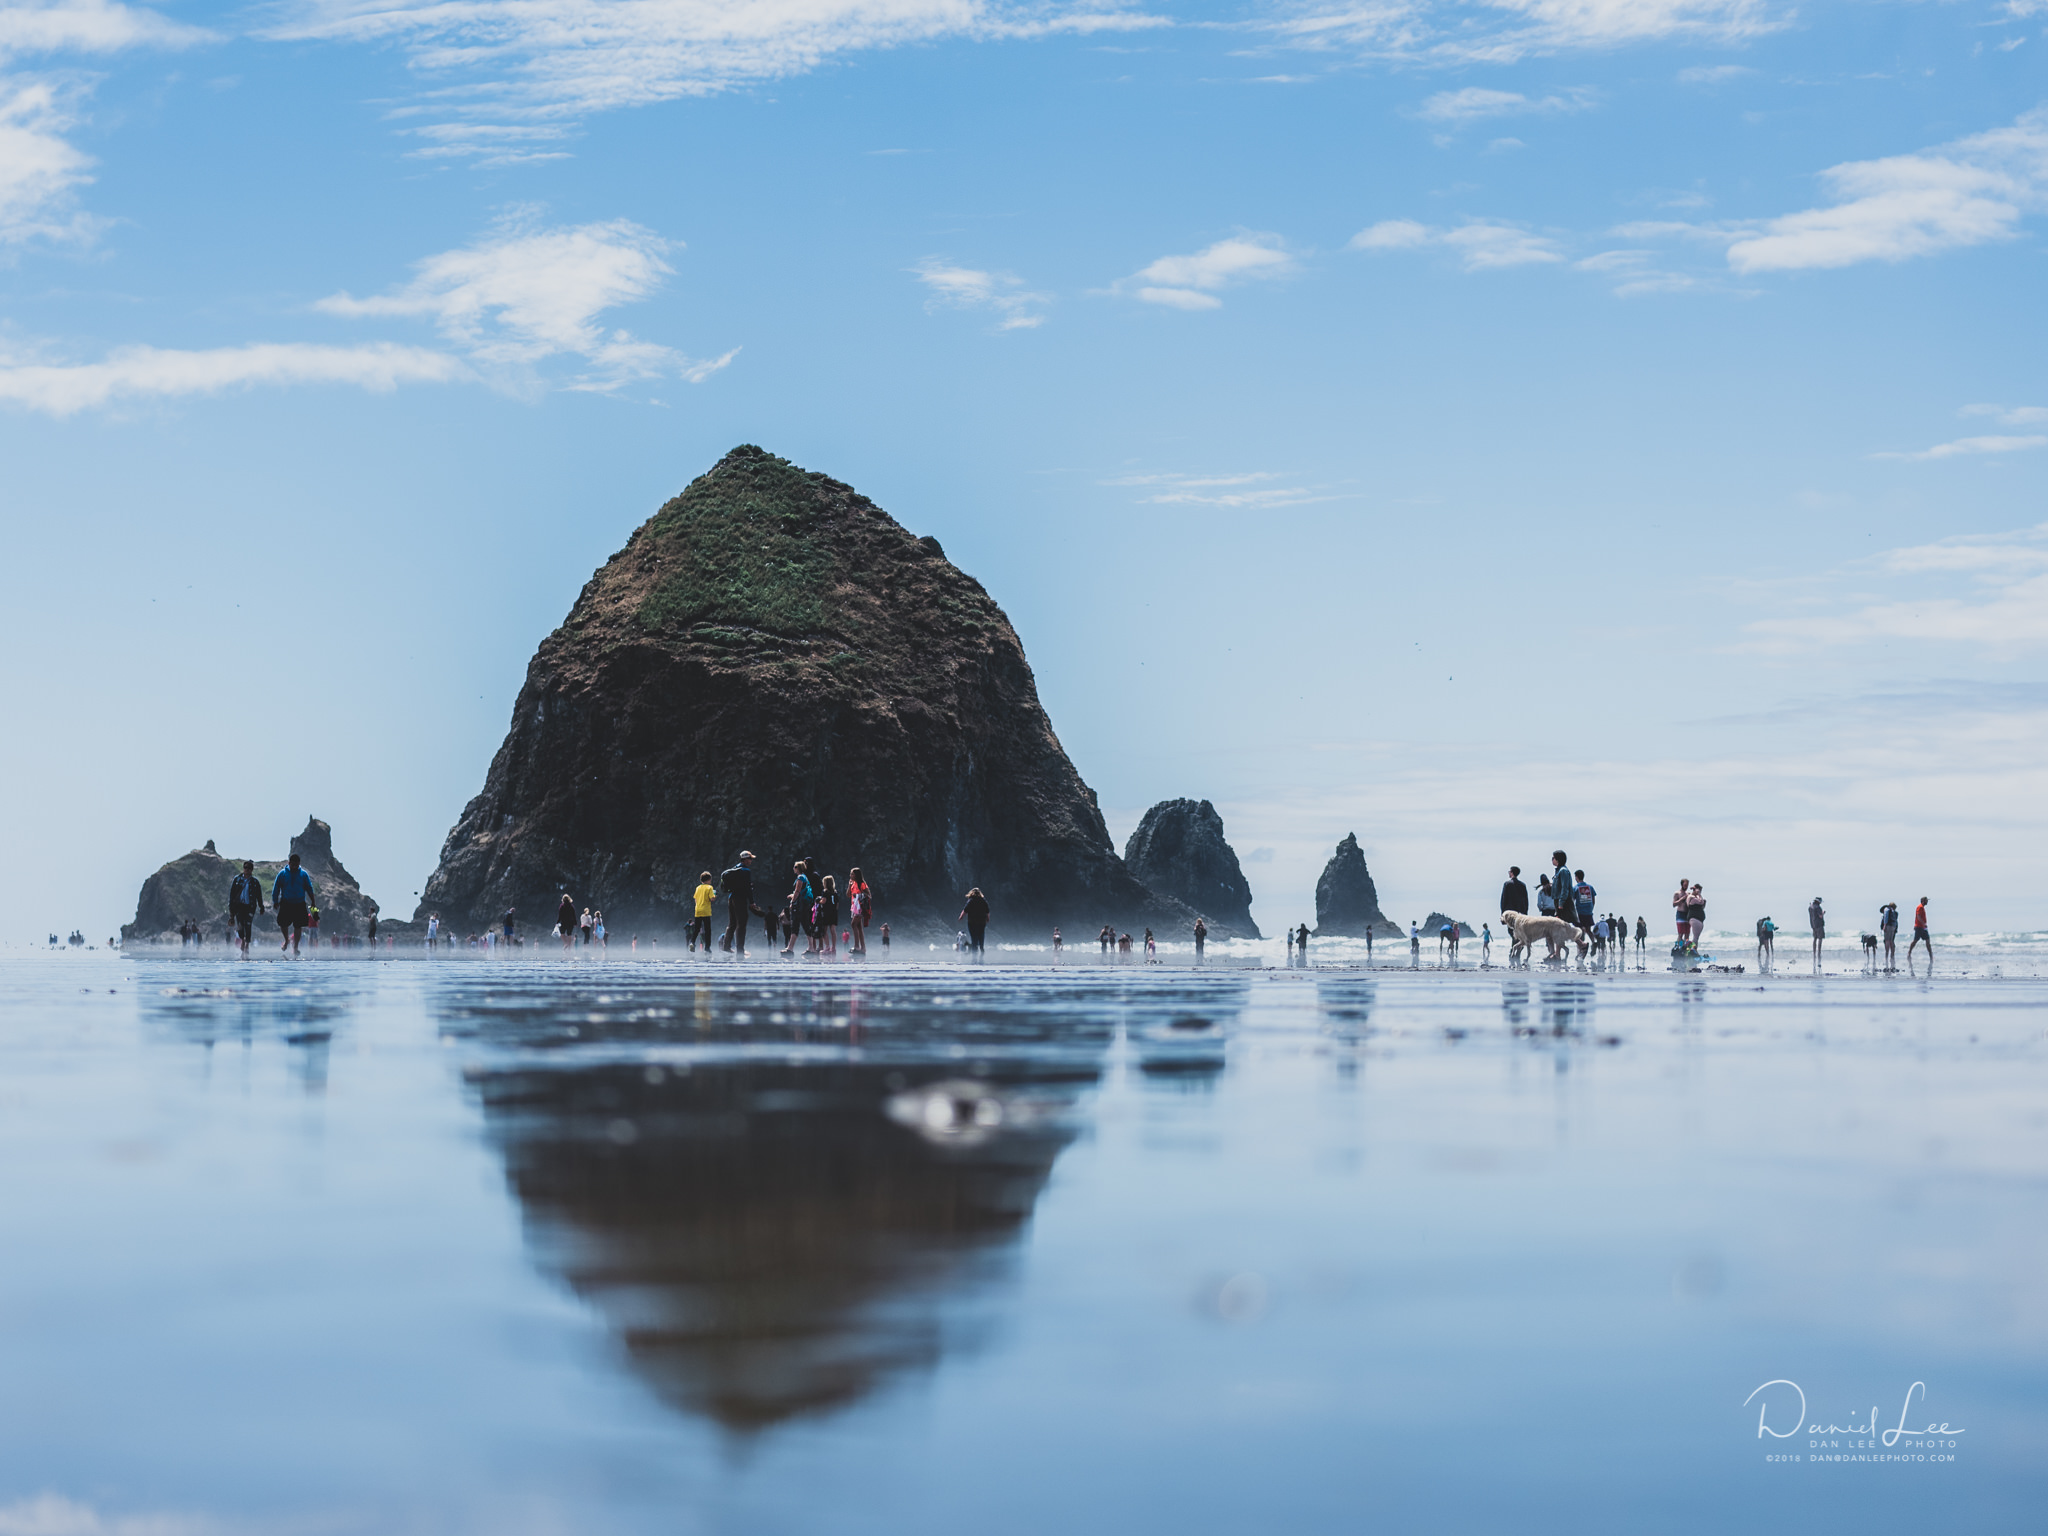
x=1480, y=427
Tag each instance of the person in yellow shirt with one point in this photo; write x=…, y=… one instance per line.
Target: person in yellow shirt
x=701, y=922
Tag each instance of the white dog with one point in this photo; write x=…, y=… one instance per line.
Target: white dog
x=1555, y=932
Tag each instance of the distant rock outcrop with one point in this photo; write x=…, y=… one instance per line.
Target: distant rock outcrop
x=195, y=887
x=1179, y=851
x=773, y=662
x=1433, y=925
x=1347, y=906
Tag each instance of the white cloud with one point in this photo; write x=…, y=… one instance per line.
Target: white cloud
x=1713, y=74
x=970, y=288
x=53, y=1515
x=1969, y=446
x=88, y=26
x=1474, y=103
x=2011, y=415
x=130, y=373
x=506, y=304
x=1501, y=31
x=524, y=295
x=1192, y=282
x=1966, y=193
x=2005, y=607
x=1262, y=489
x=1480, y=244
x=500, y=64
x=40, y=169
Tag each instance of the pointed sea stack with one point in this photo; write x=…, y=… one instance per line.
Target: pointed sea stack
x=1179, y=851
x=195, y=886
x=1347, y=906
x=774, y=663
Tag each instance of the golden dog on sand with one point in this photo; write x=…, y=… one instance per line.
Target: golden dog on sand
x=1524, y=931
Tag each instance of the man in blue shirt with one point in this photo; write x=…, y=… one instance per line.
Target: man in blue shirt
x=1583, y=895
x=291, y=894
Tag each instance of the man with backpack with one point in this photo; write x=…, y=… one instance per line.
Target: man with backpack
x=738, y=884
x=245, y=900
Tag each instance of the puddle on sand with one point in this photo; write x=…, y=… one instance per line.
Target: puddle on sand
x=643, y=1247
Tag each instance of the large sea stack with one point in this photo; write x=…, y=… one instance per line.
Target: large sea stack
x=1347, y=906
x=195, y=886
x=1179, y=850
x=774, y=663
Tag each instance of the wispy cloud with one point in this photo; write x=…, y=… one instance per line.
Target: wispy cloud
x=89, y=26
x=504, y=306
x=1479, y=244
x=526, y=294
x=1475, y=104
x=1961, y=194
x=2011, y=415
x=950, y=287
x=511, y=73
x=1501, y=31
x=1193, y=281
x=1713, y=74
x=2004, y=607
x=52, y=1514
x=135, y=373
x=1964, y=447
x=40, y=169
x=1259, y=489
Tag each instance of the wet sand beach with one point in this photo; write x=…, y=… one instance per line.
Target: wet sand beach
x=640, y=1246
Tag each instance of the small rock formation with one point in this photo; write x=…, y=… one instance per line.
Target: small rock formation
x=196, y=886
x=1433, y=925
x=774, y=663
x=1179, y=851
x=1347, y=906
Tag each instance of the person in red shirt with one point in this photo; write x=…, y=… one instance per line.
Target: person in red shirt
x=1920, y=933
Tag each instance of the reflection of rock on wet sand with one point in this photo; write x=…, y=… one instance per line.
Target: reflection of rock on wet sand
x=772, y=1240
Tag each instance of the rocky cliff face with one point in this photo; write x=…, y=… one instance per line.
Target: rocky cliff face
x=1346, y=903
x=1433, y=925
x=1179, y=851
x=773, y=662
x=196, y=886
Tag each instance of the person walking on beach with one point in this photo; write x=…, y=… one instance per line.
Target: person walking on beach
x=1201, y=936
x=1817, y=920
x=597, y=931
x=1108, y=937
x=245, y=901
x=566, y=923
x=1486, y=937
x=1151, y=949
x=1696, y=915
x=1681, y=909
x=1583, y=898
x=1888, y=925
x=1055, y=943
x=800, y=899
x=292, y=897
x=1514, y=896
x=1414, y=942
x=1920, y=934
x=859, y=901
x=828, y=914
x=1561, y=885
x=975, y=912
x=885, y=940
x=1301, y=942
x=701, y=902
x=1642, y=933
x=1766, y=932
x=738, y=885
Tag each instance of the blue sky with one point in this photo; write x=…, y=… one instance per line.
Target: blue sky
x=1480, y=427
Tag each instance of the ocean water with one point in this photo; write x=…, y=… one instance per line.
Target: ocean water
x=661, y=1246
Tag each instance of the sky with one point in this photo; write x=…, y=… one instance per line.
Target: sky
x=1617, y=425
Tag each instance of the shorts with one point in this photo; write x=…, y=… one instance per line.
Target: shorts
x=292, y=914
x=1921, y=933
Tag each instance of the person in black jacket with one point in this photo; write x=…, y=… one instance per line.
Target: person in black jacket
x=245, y=900
x=976, y=913
x=738, y=885
x=1514, y=896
